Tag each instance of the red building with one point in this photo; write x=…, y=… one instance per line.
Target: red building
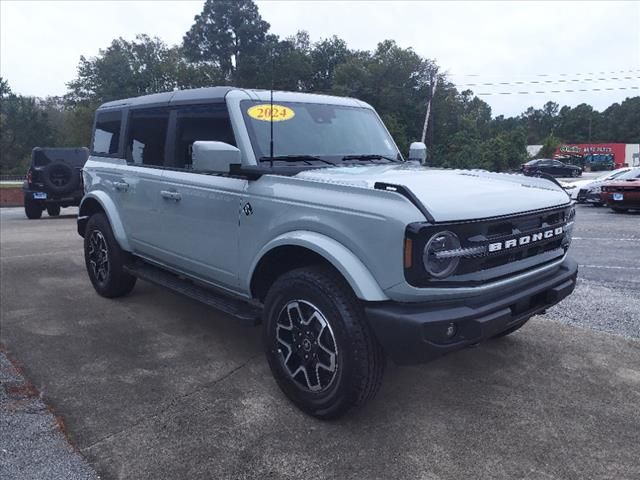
x=593, y=156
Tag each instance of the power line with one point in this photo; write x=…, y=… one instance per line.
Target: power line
x=576, y=90
x=550, y=74
x=547, y=82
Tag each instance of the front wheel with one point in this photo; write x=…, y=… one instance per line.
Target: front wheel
x=105, y=260
x=322, y=353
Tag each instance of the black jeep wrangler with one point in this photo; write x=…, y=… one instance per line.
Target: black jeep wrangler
x=54, y=180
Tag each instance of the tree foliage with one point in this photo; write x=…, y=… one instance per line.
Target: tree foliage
x=230, y=43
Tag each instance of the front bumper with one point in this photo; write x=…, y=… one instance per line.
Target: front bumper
x=416, y=333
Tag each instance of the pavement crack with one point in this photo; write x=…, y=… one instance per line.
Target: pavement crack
x=172, y=403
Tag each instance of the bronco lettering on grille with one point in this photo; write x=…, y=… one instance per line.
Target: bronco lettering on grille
x=525, y=239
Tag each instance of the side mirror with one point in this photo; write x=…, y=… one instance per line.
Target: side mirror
x=209, y=156
x=418, y=151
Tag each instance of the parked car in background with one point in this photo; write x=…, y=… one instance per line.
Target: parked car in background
x=588, y=191
x=551, y=167
x=623, y=193
x=53, y=180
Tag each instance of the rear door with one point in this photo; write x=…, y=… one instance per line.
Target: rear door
x=140, y=184
x=200, y=212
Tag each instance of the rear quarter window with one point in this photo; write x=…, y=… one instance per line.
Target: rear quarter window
x=106, y=135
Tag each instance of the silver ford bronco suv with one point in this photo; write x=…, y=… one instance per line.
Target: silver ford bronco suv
x=299, y=212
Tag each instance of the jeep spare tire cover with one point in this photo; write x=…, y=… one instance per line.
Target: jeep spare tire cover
x=60, y=178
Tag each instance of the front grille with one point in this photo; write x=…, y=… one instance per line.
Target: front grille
x=582, y=194
x=500, y=231
x=527, y=231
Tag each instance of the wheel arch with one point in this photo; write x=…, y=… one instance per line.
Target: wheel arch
x=302, y=248
x=100, y=202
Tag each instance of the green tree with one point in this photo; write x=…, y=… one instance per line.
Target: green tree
x=23, y=126
x=126, y=69
x=230, y=35
x=549, y=147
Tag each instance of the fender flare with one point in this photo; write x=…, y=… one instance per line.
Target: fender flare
x=344, y=260
x=110, y=210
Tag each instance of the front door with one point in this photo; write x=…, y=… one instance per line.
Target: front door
x=200, y=212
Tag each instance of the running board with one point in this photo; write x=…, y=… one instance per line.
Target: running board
x=239, y=309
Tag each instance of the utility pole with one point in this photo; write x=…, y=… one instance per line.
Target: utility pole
x=426, y=117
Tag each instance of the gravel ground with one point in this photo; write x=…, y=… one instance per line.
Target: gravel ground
x=600, y=307
x=32, y=446
x=607, y=297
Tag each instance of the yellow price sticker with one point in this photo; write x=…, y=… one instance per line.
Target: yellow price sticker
x=265, y=112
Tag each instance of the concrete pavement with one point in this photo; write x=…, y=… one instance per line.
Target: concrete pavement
x=157, y=386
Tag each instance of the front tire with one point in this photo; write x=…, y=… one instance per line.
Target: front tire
x=53, y=210
x=32, y=209
x=105, y=260
x=322, y=353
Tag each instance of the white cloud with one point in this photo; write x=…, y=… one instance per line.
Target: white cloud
x=41, y=42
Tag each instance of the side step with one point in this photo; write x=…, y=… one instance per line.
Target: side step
x=243, y=311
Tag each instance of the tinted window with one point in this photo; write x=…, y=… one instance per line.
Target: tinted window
x=200, y=123
x=106, y=136
x=146, y=137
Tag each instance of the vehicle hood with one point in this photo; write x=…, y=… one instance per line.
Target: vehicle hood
x=452, y=195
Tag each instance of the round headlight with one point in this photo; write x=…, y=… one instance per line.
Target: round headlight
x=436, y=262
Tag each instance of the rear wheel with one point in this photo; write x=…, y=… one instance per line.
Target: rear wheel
x=105, y=260
x=53, y=210
x=32, y=209
x=321, y=351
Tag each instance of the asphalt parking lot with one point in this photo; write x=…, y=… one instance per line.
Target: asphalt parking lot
x=156, y=386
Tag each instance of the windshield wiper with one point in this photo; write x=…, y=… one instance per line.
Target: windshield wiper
x=374, y=156
x=308, y=159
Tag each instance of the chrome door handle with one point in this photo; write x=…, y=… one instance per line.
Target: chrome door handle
x=171, y=195
x=122, y=186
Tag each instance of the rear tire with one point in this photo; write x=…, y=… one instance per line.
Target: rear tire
x=32, y=209
x=53, y=210
x=322, y=353
x=105, y=260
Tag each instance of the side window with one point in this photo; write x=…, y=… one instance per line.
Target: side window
x=146, y=136
x=106, y=135
x=207, y=122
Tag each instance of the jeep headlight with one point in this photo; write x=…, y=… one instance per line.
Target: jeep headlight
x=441, y=255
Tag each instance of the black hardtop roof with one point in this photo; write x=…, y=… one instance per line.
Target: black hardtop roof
x=176, y=97
x=214, y=95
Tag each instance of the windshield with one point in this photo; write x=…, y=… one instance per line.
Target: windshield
x=328, y=132
x=631, y=174
x=611, y=175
